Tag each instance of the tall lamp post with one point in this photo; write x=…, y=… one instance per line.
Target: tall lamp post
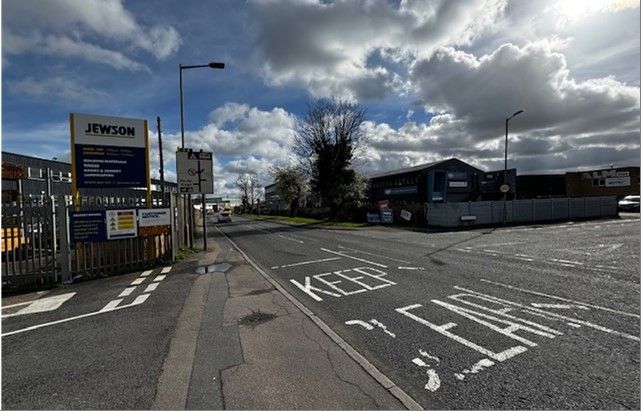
x=507, y=120
x=213, y=65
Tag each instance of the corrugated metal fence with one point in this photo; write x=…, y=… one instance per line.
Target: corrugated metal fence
x=519, y=211
x=36, y=248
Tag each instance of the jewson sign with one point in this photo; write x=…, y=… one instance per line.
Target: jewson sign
x=108, y=152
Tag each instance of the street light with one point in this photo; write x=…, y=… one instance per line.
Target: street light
x=505, y=168
x=213, y=65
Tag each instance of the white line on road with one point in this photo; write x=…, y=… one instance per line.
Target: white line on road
x=290, y=238
x=410, y=268
x=151, y=287
x=111, y=305
x=43, y=305
x=159, y=278
x=306, y=262
x=18, y=304
x=558, y=260
x=146, y=273
x=138, y=281
x=165, y=270
x=511, y=287
x=375, y=255
x=127, y=291
x=562, y=306
x=354, y=258
x=140, y=299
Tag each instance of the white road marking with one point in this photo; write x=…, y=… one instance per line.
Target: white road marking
x=464, y=249
x=558, y=260
x=359, y=322
x=290, y=238
x=428, y=355
x=127, y=291
x=476, y=368
x=354, y=258
x=18, y=304
x=443, y=329
x=146, y=273
x=563, y=317
x=159, y=278
x=433, y=380
x=111, y=305
x=561, y=306
x=574, y=325
x=375, y=255
x=43, y=305
x=383, y=327
x=411, y=268
x=322, y=260
x=524, y=258
x=511, y=287
x=151, y=287
x=138, y=281
x=491, y=251
x=166, y=270
x=77, y=317
x=419, y=362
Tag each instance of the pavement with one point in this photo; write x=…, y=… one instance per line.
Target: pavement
x=208, y=333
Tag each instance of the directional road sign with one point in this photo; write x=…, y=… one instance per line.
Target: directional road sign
x=195, y=172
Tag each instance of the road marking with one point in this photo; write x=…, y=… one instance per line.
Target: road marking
x=43, y=305
x=382, y=327
x=561, y=306
x=566, y=261
x=428, y=355
x=361, y=323
x=411, y=268
x=375, y=255
x=159, y=278
x=563, y=317
x=18, y=304
x=366, y=273
x=111, y=305
x=290, y=238
x=524, y=258
x=476, y=368
x=165, y=270
x=511, y=287
x=354, y=258
x=146, y=273
x=138, y=281
x=306, y=262
x=126, y=291
x=443, y=329
x=137, y=301
x=151, y=287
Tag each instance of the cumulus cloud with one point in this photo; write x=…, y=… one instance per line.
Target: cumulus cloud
x=327, y=47
x=243, y=139
x=72, y=29
x=59, y=87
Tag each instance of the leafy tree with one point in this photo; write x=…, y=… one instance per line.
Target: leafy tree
x=290, y=185
x=326, y=141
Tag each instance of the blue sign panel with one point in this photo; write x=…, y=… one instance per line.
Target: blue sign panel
x=110, y=166
x=387, y=216
x=373, y=218
x=87, y=226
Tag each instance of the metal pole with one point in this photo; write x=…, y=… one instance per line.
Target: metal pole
x=187, y=201
x=204, y=208
x=162, y=168
x=505, y=176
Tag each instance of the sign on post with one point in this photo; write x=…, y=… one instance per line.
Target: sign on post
x=195, y=172
x=121, y=224
x=154, y=221
x=108, y=152
x=87, y=226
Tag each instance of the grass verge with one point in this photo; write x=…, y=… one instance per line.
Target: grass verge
x=306, y=221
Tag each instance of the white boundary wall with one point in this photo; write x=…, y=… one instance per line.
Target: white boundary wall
x=519, y=211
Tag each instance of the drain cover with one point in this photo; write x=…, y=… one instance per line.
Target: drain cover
x=214, y=268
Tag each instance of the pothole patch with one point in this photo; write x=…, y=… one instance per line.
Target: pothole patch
x=256, y=318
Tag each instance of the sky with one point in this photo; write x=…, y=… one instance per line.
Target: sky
x=437, y=78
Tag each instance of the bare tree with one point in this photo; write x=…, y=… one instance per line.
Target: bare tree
x=325, y=143
x=249, y=186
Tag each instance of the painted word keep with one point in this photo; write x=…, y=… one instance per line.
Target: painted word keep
x=344, y=282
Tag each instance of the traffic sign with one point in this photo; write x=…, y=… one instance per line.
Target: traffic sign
x=504, y=188
x=195, y=172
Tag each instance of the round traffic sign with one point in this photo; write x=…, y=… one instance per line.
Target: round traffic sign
x=504, y=188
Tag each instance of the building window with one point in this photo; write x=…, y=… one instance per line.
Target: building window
x=598, y=182
x=35, y=173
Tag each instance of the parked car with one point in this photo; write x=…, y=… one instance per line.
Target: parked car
x=629, y=203
x=224, y=217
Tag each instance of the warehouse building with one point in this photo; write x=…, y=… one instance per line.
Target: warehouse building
x=621, y=181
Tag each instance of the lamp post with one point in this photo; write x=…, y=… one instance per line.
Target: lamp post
x=507, y=120
x=213, y=65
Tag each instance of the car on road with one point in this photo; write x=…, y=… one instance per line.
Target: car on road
x=224, y=217
x=629, y=203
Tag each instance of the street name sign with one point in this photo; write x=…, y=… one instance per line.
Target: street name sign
x=195, y=172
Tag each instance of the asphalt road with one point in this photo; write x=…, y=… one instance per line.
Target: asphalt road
x=517, y=317
x=84, y=354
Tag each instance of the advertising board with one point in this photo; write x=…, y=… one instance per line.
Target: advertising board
x=87, y=226
x=108, y=152
x=154, y=221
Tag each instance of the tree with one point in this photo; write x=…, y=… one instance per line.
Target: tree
x=290, y=185
x=325, y=143
x=248, y=185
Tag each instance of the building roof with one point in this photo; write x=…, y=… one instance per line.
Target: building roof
x=417, y=168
